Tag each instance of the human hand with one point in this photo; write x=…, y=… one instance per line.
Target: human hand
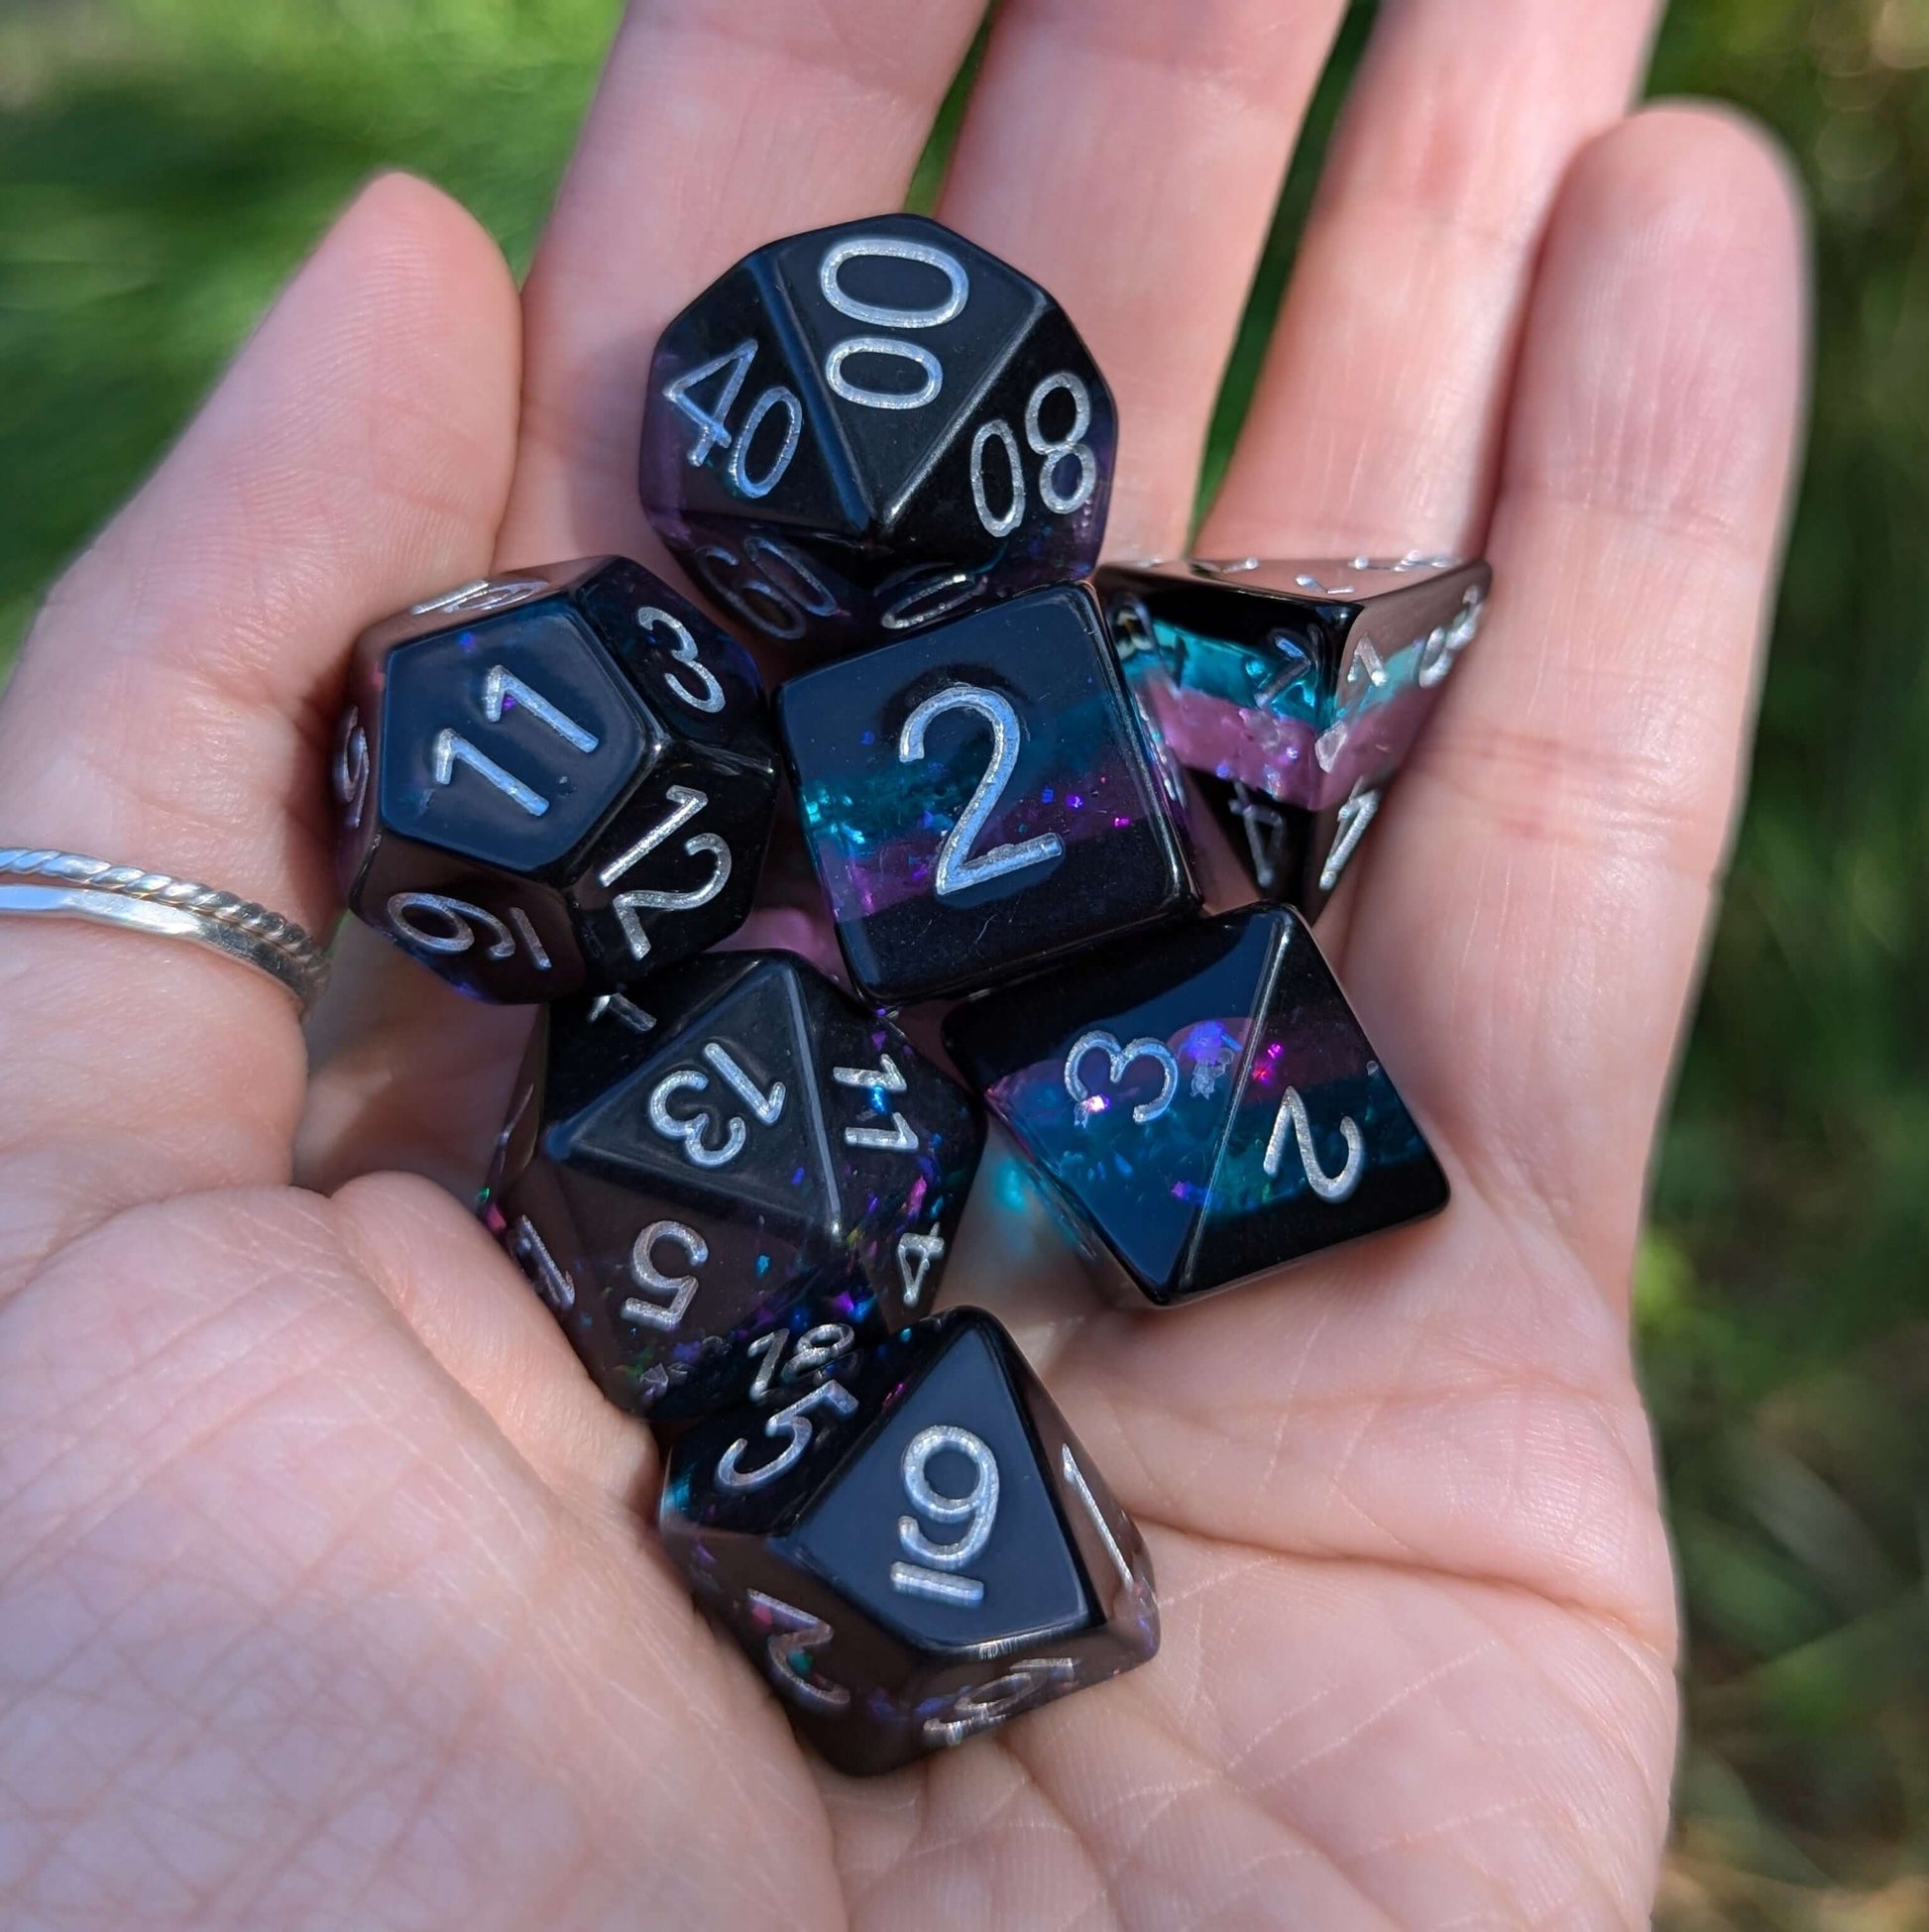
x=327, y=1594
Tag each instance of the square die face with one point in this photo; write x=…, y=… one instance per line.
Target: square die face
x=979, y=800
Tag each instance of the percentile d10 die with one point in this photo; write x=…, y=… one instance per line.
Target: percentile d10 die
x=865, y=429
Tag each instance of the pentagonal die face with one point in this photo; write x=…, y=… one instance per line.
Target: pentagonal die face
x=721, y=1190
x=913, y=1549
x=1293, y=692
x=558, y=780
x=866, y=428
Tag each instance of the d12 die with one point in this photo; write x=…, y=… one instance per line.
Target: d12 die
x=980, y=799
x=914, y=1549
x=1298, y=688
x=558, y=780
x=874, y=426
x=1204, y=1104
x=721, y=1189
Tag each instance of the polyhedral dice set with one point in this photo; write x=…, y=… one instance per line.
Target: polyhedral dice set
x=737, y=1183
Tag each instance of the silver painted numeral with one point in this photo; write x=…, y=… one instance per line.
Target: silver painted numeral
x=958, y=293
x=451, y=748
x=685, y=803
x=713, y=425
x=666, y=1313
x=1069, y=1465
x=693, y=1130
x=352, y=770
x=485, y=593
x=935, y=1573
x=957, y=871
x=998, y=431
x=768, y=1108
x=900, y=1137
x=625, y=1009
x=1053, y=452
x=1291, y=1120
x=1355, y=816
x=772, y=588
x=552, y=1282
x=795, y=1629
x=466, y=924
x=915, y=1254
x=817, y=1348
x=1117, y=1060
x=793, y=1422
x=985, y=1705
x=711, y=697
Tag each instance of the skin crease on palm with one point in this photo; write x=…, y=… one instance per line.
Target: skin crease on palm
x=328, y=1595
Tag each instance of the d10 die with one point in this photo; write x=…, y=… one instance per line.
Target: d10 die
x=914, y=1549
x=1204, y=1104
x=1295, y=691
x=874, y=426
x=559, y=780
x=721, y=1188
x=980, y=799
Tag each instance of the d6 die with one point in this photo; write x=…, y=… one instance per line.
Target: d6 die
x=747, y=1170
x=558, y=780
x=870, y=428
x=1204, y=1104
x=913, y=1550
x=1293, y=690
x=980, y=799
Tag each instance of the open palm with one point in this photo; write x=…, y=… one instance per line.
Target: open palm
x=326, y=1591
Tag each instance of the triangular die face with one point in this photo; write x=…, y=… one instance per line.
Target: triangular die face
x=727, y=1107
x=1321, y=1148
x=917, y=382
x=1124, y=1103
x=893, y=1535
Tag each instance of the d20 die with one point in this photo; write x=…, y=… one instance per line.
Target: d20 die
x=980, y=799
x=874, y=426
x=1202, y=1106
x=559, y=780
x=913, y=1550
x=722, y=1191
x=1296, y=687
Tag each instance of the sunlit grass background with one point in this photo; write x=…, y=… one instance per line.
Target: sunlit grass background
x=164, y=162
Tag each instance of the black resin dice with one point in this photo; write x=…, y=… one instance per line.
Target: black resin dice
x=1201, y=1104
x=866, y=428
x=980, y=799
x=1293, y=691
x=723, y=1180
x=559, y=780
x=914, y=1549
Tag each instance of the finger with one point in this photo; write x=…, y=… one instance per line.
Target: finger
x=1128, y=157
x=175, y=702
x=1459, y=1397
x=719, y=125
x=1376, y=415
x=1530, y=923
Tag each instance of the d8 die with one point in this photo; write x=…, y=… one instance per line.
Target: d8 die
x=1295, y=690
x=1202, y=1106
x=723, y=1188
x=559, y=780
x=980, y=799
x=870, y=428
x=914, y=1549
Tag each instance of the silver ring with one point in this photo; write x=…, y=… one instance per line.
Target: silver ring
x=152, y=902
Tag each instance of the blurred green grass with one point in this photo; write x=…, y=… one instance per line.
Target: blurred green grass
x=164, y=164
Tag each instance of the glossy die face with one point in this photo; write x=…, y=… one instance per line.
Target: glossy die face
x=980, y=800
x=1202, y=1106
x=552, y=781
x=733, y=1172
x=914, y=1549
x=868, y=428
x=1293, y=690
